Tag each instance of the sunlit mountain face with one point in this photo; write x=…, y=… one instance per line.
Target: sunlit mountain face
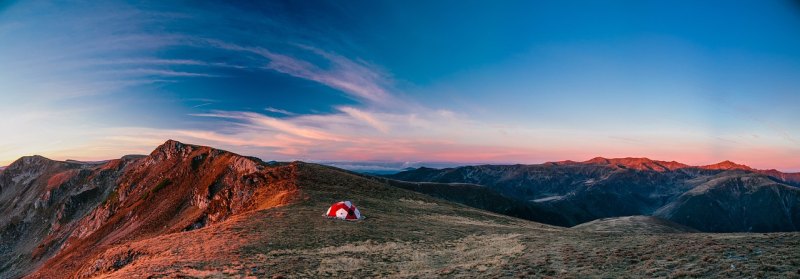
x=367, y=81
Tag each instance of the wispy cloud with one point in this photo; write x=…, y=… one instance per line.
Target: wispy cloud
x=275, y=124
x=280, y=111
x=162, y=73
x=201, y=105
x=356, y=78
x=160, y=62
x=351, y=134
x=366, y=117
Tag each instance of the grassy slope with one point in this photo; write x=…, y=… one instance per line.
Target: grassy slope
x=409, y=234
x=634, y=224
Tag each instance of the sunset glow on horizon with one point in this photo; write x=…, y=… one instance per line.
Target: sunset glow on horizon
x=450, y=81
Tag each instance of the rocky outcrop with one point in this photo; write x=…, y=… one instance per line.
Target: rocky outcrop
x=42, y=202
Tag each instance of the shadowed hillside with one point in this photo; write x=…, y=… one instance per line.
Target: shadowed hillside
x=737, y=202
x=483, y=198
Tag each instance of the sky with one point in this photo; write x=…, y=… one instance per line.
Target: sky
x=404, y=81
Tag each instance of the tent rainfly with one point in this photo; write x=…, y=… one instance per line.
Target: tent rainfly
x=344, y=210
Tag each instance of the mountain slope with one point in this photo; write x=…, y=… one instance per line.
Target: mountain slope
x=176, y=188
x=737, y=202
x=41, y=202
x=634, y=224
x=526, y=182
x=481, y=197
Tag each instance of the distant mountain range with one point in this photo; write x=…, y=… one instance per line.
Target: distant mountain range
x=383, y=168
x=723, y=197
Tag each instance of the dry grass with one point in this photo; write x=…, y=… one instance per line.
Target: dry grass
x=419, y=202
x=459, y=220
x=401, y=259
x=336, y=264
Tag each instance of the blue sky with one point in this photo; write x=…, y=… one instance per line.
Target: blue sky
x=463, y=81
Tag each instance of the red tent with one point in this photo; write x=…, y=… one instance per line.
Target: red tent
x=345, y=210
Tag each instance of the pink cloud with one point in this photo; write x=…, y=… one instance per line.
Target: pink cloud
x=260, y=120
x=366, y=117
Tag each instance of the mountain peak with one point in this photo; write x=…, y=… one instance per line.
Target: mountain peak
x=638, y=163
x=726, y=165
x=171, y=149
x=170, y=143
x=29, y=160
x=598, y=160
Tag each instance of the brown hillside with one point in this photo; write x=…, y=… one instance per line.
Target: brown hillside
x=177, y=188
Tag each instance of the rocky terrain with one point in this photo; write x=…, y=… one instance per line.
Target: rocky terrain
x=42, y=202
x=188, y=211
x=724, y=197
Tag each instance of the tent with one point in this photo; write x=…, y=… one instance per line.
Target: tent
x=344, y=210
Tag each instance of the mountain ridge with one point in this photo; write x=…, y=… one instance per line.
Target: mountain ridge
x=643, y=163
x=639, y=163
